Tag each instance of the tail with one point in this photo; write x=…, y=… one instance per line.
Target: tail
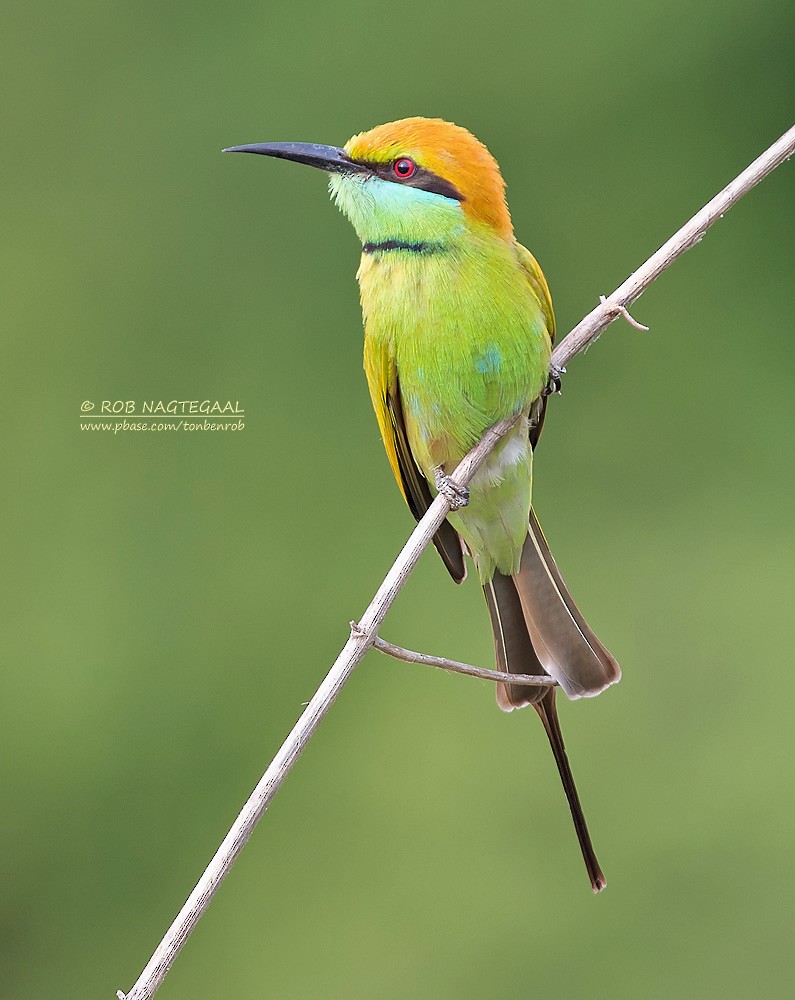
x=549, y=716
x=539, y=630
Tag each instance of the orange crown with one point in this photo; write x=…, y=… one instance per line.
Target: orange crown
x=450, y=152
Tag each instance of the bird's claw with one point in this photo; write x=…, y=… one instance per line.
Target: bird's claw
x=553, y=382
x=457, y=496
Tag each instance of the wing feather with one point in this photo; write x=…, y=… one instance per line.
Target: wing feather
x=385, y=394
x=540, y=287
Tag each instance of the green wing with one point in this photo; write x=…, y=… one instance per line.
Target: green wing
x=539, y=285
x=385, y=394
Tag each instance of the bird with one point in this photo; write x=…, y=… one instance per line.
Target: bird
x=458, y=334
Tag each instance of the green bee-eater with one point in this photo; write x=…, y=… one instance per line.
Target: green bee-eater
x=458, y=334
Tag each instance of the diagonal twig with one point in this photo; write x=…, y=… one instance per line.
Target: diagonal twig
x=456, y=667
x=586, y=331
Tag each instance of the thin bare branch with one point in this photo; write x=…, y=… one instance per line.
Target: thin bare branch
x=456, y=667
x=357, y=645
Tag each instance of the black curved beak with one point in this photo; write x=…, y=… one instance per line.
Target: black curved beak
x=328, y=158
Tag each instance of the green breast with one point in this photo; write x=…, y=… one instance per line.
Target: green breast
x=467, y=336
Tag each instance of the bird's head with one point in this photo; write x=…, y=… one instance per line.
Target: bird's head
x=421, y=180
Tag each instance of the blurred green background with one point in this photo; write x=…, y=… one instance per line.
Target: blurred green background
x=170, y=600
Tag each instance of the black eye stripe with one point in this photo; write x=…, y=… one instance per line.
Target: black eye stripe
x=421, y=178
x=427, y=181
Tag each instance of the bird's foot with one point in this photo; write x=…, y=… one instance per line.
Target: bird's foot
x=553, y=382
x=457, y=496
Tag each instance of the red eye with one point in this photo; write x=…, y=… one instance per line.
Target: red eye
x=404, y=168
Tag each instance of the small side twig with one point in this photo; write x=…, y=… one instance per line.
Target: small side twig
x=620, y=310
x=586, y=331
x=456, y=667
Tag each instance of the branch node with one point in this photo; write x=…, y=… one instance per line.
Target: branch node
x=356, y=630
x=618, y=310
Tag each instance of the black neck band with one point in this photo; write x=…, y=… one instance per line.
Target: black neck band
x=401, y=245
